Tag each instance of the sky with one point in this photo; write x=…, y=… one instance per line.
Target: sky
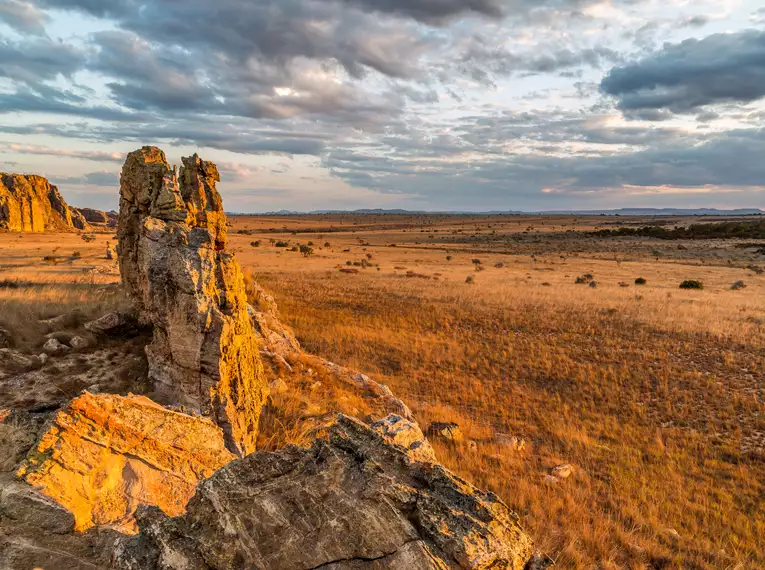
x=467, y=105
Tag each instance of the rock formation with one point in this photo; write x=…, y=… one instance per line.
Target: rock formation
x=31, y=204
x=356, y=501
x=85, y=463
x=103, y=455
x=174, y=265
x=97, y=216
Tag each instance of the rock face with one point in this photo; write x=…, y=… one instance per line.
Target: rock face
x=103, y=455
x=31, y=204
x=172, y=240
x=357, y=501
x=97, y=216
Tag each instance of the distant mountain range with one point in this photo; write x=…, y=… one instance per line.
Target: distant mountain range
x=617, y=212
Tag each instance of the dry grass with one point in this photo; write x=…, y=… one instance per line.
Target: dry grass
x=654, y=395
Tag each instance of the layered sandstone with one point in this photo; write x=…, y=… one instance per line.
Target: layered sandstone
x=104, y=455
x=175, y=267
x=355, y=501
x=32, y=204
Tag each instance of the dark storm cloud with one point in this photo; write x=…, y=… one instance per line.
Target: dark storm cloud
x=684, y=77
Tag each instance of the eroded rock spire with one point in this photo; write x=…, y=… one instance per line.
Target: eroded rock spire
x=175, y=267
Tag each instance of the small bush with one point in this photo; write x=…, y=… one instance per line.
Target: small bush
x=691, y=284
x=469, y=279
x=640, y=281
x=449, y=258
x=50, y=258
x=282, y=243
x=306, y=250
x=255, y=243
x=76, y=255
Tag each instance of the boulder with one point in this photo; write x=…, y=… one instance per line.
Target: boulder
x=114, y=324
x=408, y=435
x=183, y=282
x=53, y=347
x=352, y=502
x=444, y=431
x=30, y=203
x=103, y=455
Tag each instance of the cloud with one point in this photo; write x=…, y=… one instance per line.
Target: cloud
x=23, y=16
x=101, y=156
x=685, y=77
x=524, y=160
x=101, y=178
x=30, y=61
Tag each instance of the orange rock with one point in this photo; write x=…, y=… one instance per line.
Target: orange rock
x=104, y=455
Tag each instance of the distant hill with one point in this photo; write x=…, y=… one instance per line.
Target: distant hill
x=617, y=212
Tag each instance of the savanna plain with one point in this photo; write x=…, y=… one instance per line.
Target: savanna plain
x=547, y=342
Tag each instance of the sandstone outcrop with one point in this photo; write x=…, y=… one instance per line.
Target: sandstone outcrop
x=30, y=203
x=104, y=455
x=174, y=265
x=98, y=217
x=355, y=501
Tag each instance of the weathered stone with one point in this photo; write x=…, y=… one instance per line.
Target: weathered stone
x=113, y=324
x=79, y=343
x=25, y=505
x=562, y=471
x=31, y=204
x=408, y=435
x=444, y=431
x=111, y=252
x=172, y=239
x=513, y=442
x=13, y=361
x=18, y=433
x=5, y=338
x=53, y=347
x=103, y=455
x=353, y=502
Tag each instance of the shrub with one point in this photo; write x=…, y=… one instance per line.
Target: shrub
x=76, y=255
x=691, y=284
x=306, y=250
x=449, y=258
x=255, y=243
x=326, y=244
x=584, y=279
x=469, y=279
x=282, y=243
x=476, y=262
x=640, y=281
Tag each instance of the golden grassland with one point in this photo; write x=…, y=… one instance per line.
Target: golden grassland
x=653, y=394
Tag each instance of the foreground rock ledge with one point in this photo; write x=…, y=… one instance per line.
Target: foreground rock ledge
x=103, y=455
x=355, y=501
x=174, y=265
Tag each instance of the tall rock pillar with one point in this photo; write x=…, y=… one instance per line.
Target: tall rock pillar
x=175, y=267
